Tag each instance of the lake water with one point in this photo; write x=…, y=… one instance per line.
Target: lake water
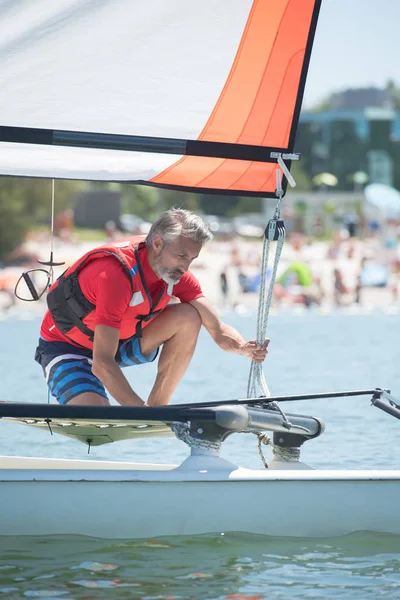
x=308, y=353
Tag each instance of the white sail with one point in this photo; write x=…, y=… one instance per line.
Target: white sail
x=174, y=74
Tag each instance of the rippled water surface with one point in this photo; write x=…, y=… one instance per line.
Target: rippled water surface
x=309, y=353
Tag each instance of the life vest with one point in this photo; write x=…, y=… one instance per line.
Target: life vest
x=74, y=314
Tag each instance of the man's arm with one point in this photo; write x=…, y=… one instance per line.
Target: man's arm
x=227, y=337
x=106, y=369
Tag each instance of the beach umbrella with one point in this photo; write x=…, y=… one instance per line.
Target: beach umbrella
x=359, y=178
x=300, y=270
x=384, y=199
x=327, y=179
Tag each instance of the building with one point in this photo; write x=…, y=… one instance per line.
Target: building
x=346, y=141
x=361, y=98
x=94, y=208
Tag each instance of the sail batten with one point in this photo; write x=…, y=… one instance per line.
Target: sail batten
x=184, y=95
x=108, y=141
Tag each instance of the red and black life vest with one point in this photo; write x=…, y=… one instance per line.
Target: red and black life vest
x=74, y=314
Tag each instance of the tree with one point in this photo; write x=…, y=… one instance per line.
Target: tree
x=394, y=91
x=303, y=181
x=26, y=202
x=13, y=223
x=218, y=204
x=139, y=200
x=148, y=202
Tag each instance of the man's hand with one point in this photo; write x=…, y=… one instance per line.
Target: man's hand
x=254, y=351
x=227, y=337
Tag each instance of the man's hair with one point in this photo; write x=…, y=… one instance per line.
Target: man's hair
x=177, y=222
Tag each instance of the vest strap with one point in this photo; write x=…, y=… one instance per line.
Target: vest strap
x=66, y=308
x=144, y=319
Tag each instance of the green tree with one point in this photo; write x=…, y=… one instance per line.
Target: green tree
x=179, y=199
x=218, y=204
x=324, y=104
x=26, y=202
x=394, y=91
x=139, y=200
x=148, y=202
x=247, y=204
x=13, y=222
x=302, y=179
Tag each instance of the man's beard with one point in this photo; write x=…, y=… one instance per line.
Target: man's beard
x=170, y=276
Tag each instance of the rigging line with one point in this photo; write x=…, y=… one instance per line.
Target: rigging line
x=265, y=300
x=275, y=231
x=51, y=270
x=52, y=214
x=50, y=263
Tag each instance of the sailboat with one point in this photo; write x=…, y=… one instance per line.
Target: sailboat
x=188, y=96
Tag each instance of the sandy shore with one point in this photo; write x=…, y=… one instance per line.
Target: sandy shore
x=217, y=257
x=220, y=256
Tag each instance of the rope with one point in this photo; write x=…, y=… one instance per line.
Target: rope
x=262, y=438
x=275, y=231
x=51, y=270
x=286, y=454
x=181, y=430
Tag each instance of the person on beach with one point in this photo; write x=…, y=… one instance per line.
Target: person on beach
x=112, y=309
x=339, y=289
x=223, y=281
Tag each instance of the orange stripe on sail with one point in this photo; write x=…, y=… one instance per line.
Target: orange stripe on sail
x=236, y=101
x=258, y=100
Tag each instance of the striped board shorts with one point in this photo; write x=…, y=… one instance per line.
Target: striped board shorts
x=68, y=369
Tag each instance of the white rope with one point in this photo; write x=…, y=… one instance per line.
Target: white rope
x=51, y=270
x=182, y=432
x=257, y=383
x=262, y=438
x=291, y=454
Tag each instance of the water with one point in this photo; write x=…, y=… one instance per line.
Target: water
x=361, y=566
x=308, y=353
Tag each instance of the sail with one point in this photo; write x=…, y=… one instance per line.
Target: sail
x=198, y=95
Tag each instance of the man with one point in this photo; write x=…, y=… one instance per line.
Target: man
x=112, y=308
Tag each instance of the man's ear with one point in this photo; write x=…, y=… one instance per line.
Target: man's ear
x=157, y=244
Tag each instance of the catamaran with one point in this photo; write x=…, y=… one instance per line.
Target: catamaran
x=204, y=494
x=202, y=97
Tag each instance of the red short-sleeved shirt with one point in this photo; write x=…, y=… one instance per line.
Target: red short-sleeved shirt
x=105, y=283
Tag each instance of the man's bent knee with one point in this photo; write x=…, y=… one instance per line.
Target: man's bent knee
x=177, y=319
x=187, y=315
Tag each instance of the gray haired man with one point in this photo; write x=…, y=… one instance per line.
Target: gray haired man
x=112, y=309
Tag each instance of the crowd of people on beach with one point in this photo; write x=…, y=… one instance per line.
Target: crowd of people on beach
x=346, y=270
x=343, y=271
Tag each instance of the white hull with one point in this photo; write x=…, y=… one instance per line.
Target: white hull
x=203, y=495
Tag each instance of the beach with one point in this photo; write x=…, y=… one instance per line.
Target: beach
x=240, y=258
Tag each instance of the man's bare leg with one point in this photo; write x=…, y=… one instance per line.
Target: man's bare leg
x=177, y=328
x=90, y=399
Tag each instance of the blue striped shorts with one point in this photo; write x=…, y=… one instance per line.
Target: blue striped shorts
x=68, y=369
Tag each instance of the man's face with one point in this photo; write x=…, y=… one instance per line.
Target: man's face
x=173, y=259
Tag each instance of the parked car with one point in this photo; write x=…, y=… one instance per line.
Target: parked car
x=134, y=224
x=220, y=226
x=130, y=223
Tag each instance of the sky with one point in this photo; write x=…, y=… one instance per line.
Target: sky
x=357, y=44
